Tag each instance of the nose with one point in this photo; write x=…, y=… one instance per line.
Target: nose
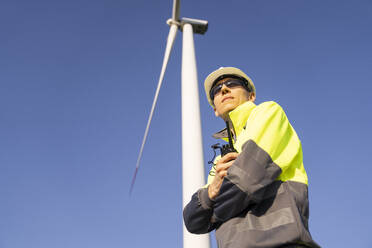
x=224, y=89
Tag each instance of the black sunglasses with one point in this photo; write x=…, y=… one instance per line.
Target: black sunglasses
x=229, y=84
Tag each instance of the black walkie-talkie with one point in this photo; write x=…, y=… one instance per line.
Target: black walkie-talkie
x=228, y=147
x=224, y=149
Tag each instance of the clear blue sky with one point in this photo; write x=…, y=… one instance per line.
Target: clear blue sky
x=77, y=79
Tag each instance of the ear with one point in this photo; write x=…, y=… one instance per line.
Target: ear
x=252, y=96
x=215, y=111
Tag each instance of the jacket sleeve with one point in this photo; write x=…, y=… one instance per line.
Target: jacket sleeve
x=269, y=147
x=198, y=213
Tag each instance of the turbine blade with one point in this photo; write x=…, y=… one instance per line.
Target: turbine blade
x=176, y=10
x=168, y=49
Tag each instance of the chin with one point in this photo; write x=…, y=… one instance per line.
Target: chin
x=229, y=107
x=226, y=111
x=224, y=108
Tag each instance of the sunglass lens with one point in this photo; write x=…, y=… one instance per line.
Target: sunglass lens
x=215, y=90
x=230, y=84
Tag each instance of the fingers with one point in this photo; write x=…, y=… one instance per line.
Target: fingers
x=228, y=157
x=224, y=166
x=225, y=163
x=222, y=173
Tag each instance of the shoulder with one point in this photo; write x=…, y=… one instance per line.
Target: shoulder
x=268, y=105
x=268, y=108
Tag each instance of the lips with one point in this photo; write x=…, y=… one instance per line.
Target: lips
x=226, y=98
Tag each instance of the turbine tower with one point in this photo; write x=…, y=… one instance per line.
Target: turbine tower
x=192, y=147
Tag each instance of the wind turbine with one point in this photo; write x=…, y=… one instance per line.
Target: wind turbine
x=192, y=146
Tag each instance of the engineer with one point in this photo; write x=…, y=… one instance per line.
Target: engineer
x=258, y=196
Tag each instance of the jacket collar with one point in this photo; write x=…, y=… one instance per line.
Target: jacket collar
x=238, y=117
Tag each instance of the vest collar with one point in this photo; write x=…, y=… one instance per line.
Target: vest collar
x=238, y=117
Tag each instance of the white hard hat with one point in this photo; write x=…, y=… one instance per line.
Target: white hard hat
x=219, y=74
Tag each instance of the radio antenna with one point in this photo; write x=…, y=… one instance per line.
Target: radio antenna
x=229, y=134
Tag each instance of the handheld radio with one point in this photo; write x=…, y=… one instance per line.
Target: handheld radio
x=224, y=149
